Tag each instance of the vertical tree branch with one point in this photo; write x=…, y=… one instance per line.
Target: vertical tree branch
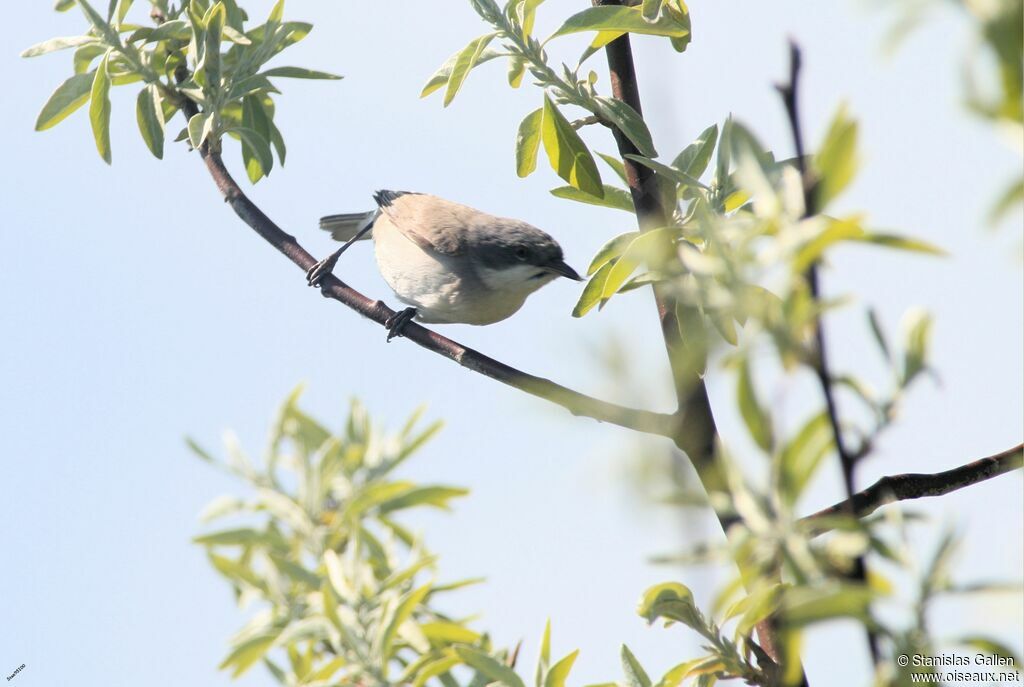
x=847, y=459
x=697, y=433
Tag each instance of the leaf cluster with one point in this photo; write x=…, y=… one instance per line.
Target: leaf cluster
x=201, y=53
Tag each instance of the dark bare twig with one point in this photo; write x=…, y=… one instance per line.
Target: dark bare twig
x=331, y=287
x=921, y=485
x=847, y=459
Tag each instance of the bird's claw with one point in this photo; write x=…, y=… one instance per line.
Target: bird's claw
x=397, y=322
x=316, y=273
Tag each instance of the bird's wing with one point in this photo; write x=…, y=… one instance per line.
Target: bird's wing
x=430, y=222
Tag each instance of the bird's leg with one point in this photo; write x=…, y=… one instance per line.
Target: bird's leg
x=317, y=272
x=396, y=323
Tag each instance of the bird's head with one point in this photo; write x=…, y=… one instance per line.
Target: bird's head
x=518, y=256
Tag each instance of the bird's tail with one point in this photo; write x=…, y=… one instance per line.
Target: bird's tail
x=344, y=227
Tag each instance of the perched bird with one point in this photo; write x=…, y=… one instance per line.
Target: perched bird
x=449, y=262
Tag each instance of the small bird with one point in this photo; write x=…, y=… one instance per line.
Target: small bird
x=449, y=262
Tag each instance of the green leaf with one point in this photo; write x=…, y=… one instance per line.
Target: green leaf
x=55, y=44
x=464, y=62
x=645, y=248
x=99, y=109
x=802, y=455
x=918, y=326
x=629, y=122
x=423, y=496
x=669, y=173
x=63, y=5
x=516, y=71
x=901, y=243
x=68, y=97
x=836, y=161
x=611, y=250
x=559, y=672
x=444, y=72
x=673, y=602
x=591, y=295
x=755, y=416
x=616, y=165
x=256, y=145
x=105, y=30
x=404, y=612
x=694, y=158
x=150, y=115
x=249, y=652
x=300, y=73
x=493, y=669
x=544, y=656
x=614, y=197
x=636, y=676
x=879, y=334
x=199, y=127
x=567, y=152
x=177, y=29
x=214, y=21
x=528, y=142
x=803, y=606
x=444, y=632
x=613, y=21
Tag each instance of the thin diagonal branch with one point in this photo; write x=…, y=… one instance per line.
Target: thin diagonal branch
x=921, y=485
x=848, y=461
x=331, y=287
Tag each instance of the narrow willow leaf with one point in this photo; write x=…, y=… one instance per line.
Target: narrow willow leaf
x=614, y=197
x=214, y=20
x=802, y=455
x=694, y=158
x=611, y=250
x=105, y=30
x=559, y=672
x=63, y=5
x=199, y=128
x=669, y=173
x=516, y=70
x=879, y=334
x=528, y=142
x=177, y=29
x=99, y=109
x=68, y=97
x=404, y=612
x=55, y=44
x=150, y=115
x=901, y=243
x=568, y=154
x=256, y=145
x=444, y=72
x=836, y=161
x=628, y=121
x=636, y=676
x=617, y=166
x=249, y=652
x=466, y=60
x=755, y=416
x=493, y=669
x=300, y=73
x=544, y=656
x=644, y=248
x=591, y=295
x=84, y=56
x=616, y=20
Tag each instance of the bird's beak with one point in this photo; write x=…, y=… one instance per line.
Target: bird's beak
x=560, y=268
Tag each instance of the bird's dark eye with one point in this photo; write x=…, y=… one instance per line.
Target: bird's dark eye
x=522, y=253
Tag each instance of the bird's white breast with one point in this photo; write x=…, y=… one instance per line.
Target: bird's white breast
x=445, y=289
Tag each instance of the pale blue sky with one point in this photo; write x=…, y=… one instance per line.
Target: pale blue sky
x=138, y=309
